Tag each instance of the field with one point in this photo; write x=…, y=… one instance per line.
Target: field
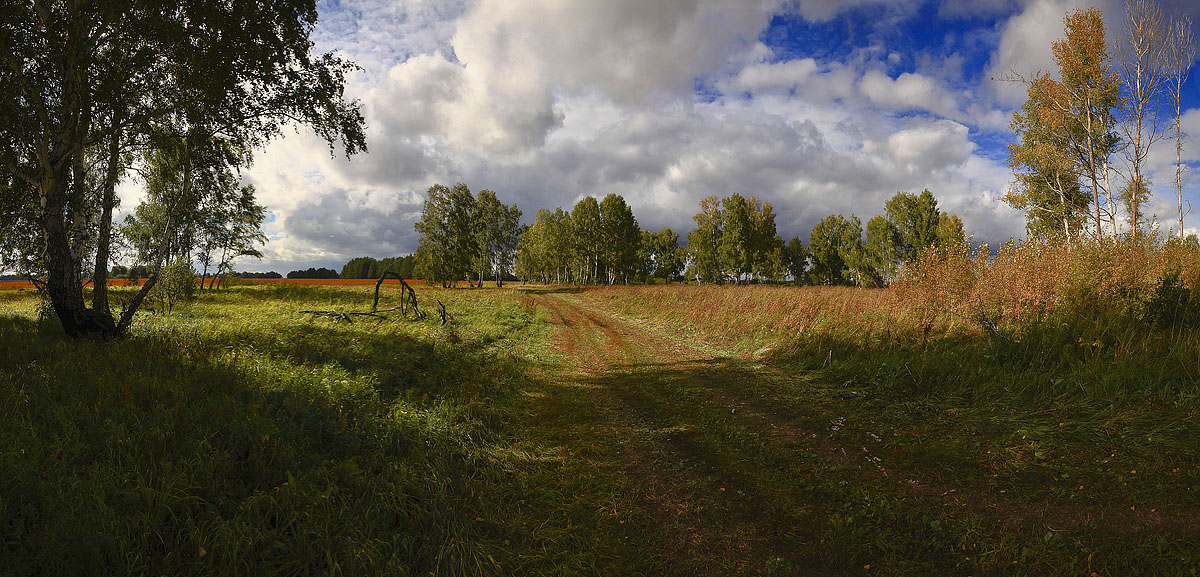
x=118, y=282
x=673, y=430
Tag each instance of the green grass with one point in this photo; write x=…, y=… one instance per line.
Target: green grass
x=240, y=436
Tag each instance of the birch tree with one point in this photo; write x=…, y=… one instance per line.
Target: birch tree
x=1144, y=61
x=1182, y=54
x=78, y=75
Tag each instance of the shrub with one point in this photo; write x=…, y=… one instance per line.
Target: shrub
x=176, y=284
x=1168, y=306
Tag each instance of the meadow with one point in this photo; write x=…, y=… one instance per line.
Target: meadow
x=948, y=425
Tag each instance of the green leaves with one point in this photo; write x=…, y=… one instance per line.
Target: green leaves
x=735, y=237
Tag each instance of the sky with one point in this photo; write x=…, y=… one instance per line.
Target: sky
x=817, y=106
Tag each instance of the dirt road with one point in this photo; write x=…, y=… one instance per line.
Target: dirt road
x=721, y=482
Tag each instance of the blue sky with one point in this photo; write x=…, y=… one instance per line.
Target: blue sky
x=817, y=106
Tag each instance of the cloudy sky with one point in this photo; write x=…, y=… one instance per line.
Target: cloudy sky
x=817, y=106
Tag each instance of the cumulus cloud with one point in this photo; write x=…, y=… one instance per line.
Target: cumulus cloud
x=1026, y=42
x=907, y=92
x=941, y=145
x=546, y=102
x=764, y=77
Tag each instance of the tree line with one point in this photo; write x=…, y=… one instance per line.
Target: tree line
x=1090, y=125
x=600, y=242
x=368, y=267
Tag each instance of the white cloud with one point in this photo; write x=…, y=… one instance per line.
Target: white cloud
x=546, y=102
x=940, y=145
x=908, y=92
x=1026, y=43
x=764, y=77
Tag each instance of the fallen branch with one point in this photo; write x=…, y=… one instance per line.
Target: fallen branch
x=445, y=316
x=347, y=317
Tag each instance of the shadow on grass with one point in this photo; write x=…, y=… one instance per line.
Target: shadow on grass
x=778, y=471
x=177, y=454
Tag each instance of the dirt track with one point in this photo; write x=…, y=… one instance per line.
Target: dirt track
x=674, y=406
x=738, y=468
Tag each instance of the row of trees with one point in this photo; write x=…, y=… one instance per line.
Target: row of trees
x=735, y=240
x=910, y=226
x=368, y=267
x=314, y=273
x=1078, y=130
x=596, y=242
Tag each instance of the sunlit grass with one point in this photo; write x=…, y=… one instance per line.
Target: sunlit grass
x=801, y=430
x=240, y=436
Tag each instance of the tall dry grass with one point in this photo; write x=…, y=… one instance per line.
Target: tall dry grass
x=1027, y=281
x=1104, y=321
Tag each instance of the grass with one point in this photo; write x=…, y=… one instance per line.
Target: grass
x=627, y=430
x=240, y=437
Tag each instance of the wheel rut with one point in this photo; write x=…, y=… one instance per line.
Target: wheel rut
x=653, y=390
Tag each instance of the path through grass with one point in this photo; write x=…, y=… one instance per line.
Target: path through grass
x=545, y=433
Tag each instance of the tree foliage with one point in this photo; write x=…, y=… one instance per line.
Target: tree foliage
x=75, y=76
x=368, y=267
x=463, y=236
x=620, y=240
x=596, y=242
x=831, y=242
x=735, y=239
x=1066, y=135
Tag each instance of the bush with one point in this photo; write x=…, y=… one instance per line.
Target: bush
x=176, y=284
x=1168, y=306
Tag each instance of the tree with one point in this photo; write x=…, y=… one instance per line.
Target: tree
x=231, y=224
x=401, y=265
x=361, y=267
x=75, y=76
x=447, y=233
x=1088, y=96
x=495, y=229
x=620, y=236
x=1047, y=187
x=1182, y=54
x=833, y=240
x=704, y=242
x=766, y=247
x=1144, y=61
x=193, y=205
x=796, y=257
x=915, y=218
x=588, y=234
x=545, y=250
x=881, y=250
x=1135, y=193
x=1066, y=136
x=506, y=242
x=951, y=234
x=663, y=255
x=737, y=231
x=314, y=273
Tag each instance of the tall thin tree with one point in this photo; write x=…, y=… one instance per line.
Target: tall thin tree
x=1182, y=50
x=1144, y=61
